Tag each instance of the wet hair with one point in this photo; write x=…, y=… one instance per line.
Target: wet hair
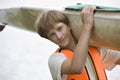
x=47, y=19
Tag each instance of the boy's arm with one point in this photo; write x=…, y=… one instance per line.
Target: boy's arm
x=77, y=64
x=110, y=58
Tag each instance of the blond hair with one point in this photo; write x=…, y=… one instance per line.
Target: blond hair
x=47, y=20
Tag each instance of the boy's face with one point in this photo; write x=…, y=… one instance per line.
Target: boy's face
x=60, y=34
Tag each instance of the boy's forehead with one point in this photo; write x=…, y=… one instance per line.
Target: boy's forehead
x=54, y=26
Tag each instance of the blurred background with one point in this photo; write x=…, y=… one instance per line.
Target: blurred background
x=24, y=54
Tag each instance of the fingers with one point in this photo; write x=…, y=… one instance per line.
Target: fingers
x=87, y=15
x=88, y=9
x=87, y=12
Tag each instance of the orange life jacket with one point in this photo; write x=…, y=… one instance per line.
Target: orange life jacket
x=99, y=71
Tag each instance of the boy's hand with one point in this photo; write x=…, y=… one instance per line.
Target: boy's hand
x=87, y=15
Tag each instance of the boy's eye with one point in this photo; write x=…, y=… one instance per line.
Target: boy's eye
x=60, y=28
x=51, y=34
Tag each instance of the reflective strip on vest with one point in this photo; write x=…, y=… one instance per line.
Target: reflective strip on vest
x=94, y=68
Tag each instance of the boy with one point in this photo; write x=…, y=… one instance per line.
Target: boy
x=73, y=60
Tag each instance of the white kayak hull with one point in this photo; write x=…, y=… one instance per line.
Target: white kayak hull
x=106, y=32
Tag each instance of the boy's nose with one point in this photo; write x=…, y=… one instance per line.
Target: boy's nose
x=59, y=34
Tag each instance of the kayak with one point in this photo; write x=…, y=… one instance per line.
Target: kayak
x=106, y=32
